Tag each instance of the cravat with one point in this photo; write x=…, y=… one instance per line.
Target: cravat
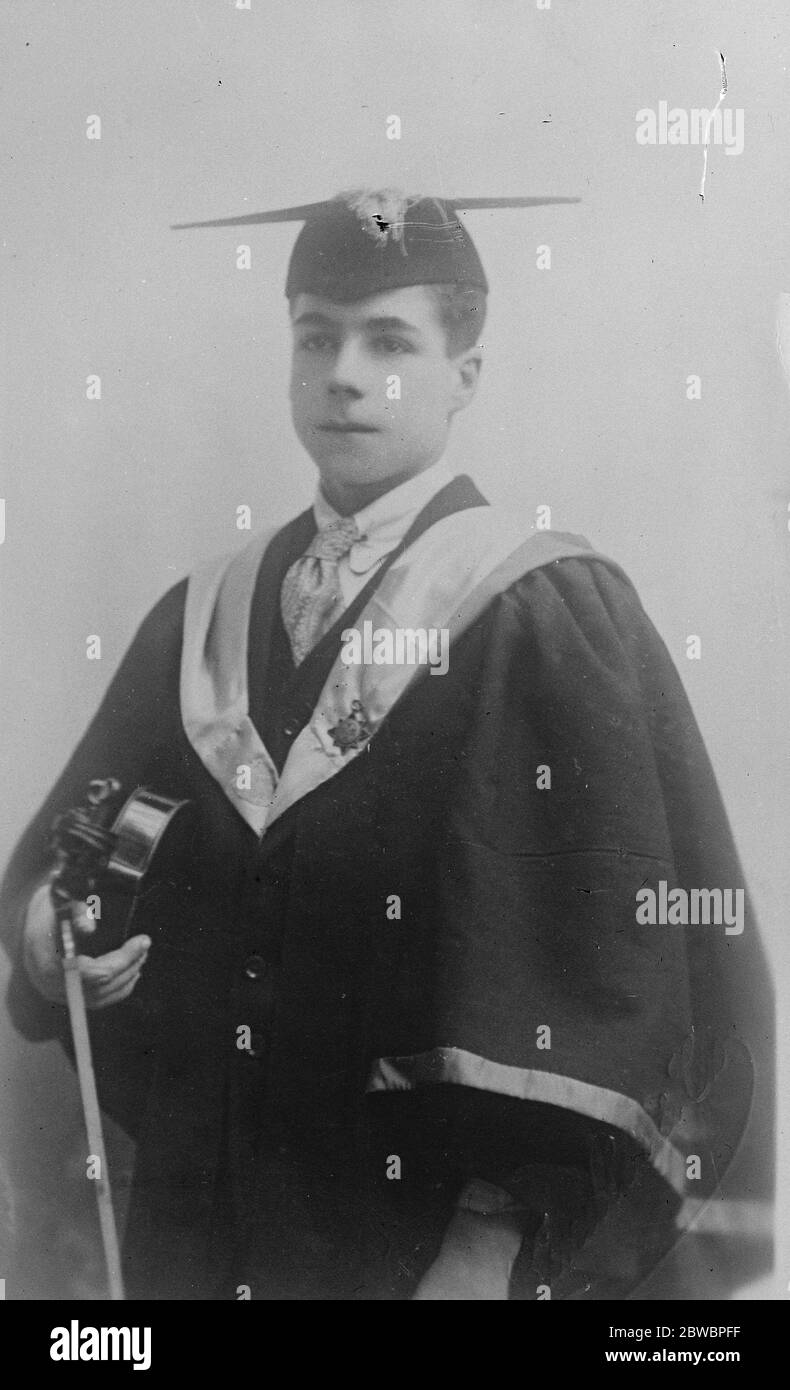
x=311, y=587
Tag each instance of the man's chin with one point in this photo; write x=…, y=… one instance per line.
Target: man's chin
x=351, y=458
x=359, y=460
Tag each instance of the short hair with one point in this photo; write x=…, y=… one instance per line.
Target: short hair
x=461, y=311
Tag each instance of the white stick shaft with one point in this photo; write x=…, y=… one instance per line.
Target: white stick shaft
x=93, y=1125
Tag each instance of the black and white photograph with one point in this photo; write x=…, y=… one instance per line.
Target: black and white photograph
x=394, y=548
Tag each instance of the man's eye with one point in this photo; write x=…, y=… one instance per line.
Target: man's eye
x=393, y=346
x=315, y=342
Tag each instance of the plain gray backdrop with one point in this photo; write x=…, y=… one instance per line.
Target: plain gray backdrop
x=207, y=111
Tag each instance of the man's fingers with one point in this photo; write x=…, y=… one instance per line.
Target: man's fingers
x=95, y=990
x=107, y=969
x=106, y=979
x=114, y=996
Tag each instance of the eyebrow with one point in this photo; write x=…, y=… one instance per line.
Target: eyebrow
x=382, y=324
x=322, y=320
x=393, y=324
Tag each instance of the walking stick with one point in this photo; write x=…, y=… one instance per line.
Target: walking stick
x=99, y=844
x=82, y=845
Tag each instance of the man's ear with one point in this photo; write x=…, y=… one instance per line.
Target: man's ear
x=467, y=368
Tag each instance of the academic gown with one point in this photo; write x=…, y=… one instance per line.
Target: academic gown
x=435, y=952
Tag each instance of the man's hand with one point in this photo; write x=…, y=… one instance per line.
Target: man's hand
x=106, y=979
x=475, y=1262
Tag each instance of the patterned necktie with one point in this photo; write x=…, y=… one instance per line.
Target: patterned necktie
x=311, y=587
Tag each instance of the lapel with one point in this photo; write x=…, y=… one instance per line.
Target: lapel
x=270, y=663
x=302, y=690
x=450, y=576
x=459, y=554
x=287, y=546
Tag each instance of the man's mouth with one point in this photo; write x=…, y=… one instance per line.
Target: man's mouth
x=346, y=427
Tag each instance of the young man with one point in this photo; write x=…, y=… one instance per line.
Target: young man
x=402, y=1032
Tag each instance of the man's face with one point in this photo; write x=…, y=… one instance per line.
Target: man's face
x=343, y=355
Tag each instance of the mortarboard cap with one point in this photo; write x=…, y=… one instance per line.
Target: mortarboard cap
x=364, y=242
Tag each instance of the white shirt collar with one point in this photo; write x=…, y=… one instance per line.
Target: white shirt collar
x=384, y=523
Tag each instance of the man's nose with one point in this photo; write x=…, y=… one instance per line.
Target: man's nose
x=347, y=375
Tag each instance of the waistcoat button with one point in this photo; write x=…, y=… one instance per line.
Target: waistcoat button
x=255, y=967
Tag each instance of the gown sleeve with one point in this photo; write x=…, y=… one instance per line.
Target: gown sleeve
x=117, y=743
x=655, y=1032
